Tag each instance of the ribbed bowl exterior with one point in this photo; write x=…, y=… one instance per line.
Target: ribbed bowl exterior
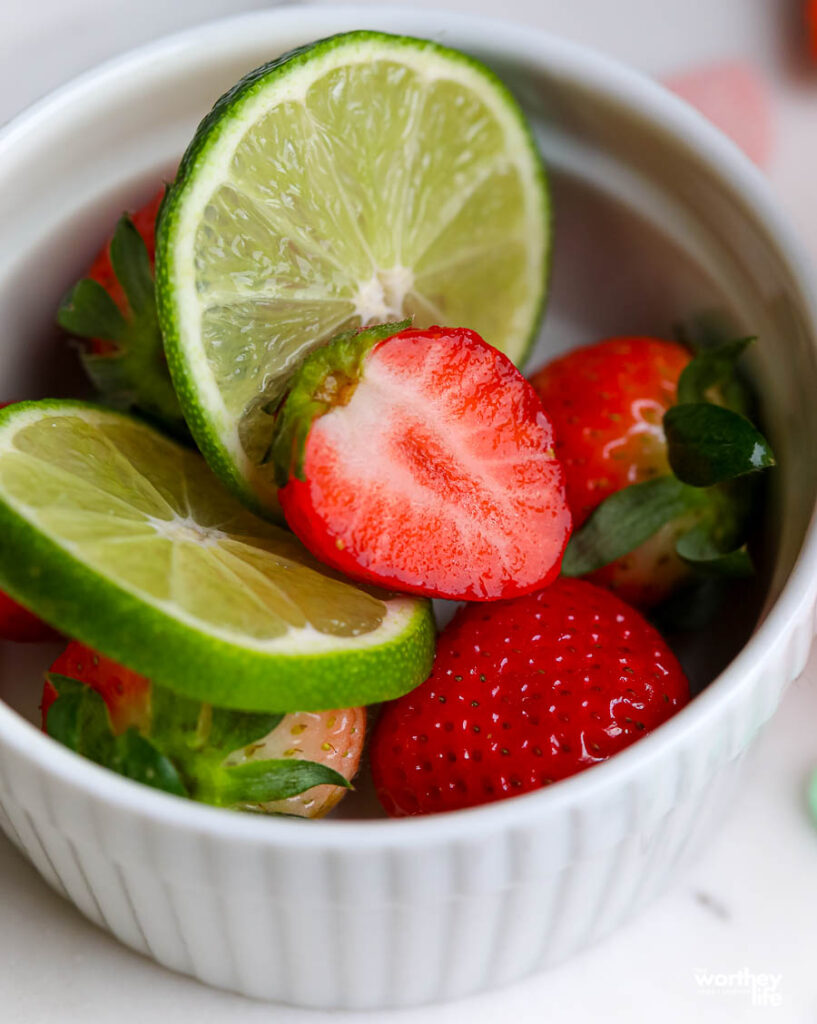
x=390, y=925
x=375, y=914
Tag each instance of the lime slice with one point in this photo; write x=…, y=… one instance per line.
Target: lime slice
x=361, y=179
x=125, y=540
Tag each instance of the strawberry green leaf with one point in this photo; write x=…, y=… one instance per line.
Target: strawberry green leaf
x=188, y=728
x=231, y=730
x=134, y=373
x=708, y=329
x=79, y=720
x=324, y=379
x=141, y=761
x=131, y=264
x=711, y=374
x=708, y=444
x=257, y=782
x=89, y=312
x=699, y=549
x=626, y=519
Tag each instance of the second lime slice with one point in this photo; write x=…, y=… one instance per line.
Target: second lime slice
x=125, y=540
x=361, y=179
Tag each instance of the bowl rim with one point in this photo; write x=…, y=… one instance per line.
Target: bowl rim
x=721, y=158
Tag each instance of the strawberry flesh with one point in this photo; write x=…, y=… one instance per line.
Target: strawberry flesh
x=433, y=473
x=524, y=693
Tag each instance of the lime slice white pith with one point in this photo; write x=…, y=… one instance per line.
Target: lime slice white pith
x=126, y=541
x=362, y=179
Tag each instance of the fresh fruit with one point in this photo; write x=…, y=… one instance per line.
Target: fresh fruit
x=123, y=539
x=607, y=403
x=422, y=460
x=735, y=98
x=114, y=308
x=524, y=693
x=364, y=178
x=638, y=422
x=17, y=623
x=258, y=762
x=20, y=625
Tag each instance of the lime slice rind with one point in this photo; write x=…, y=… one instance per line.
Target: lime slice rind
x=90, y=588
x=348, y=258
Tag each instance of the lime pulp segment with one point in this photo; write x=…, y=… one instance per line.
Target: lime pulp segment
x=362, y=179
x=126, y=541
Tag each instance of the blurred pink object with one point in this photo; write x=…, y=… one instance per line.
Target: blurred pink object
x=735, y=99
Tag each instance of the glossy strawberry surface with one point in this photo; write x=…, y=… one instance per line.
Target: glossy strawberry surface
x=524, y=693
x=607, y=402
x=431, y=472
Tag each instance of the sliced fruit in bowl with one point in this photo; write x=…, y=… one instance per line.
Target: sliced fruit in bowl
x=422, y=460
x=364, y=178
x=122, y=538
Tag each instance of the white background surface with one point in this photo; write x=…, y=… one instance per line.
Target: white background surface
x=750, y=904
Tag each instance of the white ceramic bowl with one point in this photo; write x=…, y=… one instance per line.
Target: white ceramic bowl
x=657, y=217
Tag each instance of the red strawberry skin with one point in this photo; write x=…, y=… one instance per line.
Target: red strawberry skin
x=102, y=271
x=524, y=693
x=20, y=625
x=126, y=694
x=607, y=402
x=437, y=476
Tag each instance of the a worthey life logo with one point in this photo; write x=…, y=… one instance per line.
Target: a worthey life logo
x=761, y=988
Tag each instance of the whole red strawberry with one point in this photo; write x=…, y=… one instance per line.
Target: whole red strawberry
x=422, y=461
x=606, y=402
x=524, y=693
x=114, y=309
x=659, y=456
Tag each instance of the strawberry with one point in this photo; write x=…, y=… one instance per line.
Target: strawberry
x=298, y=763
x=422, y=461
x=20, y=625
x=607, y=402
x=17, y=623
x=524, y=693
x=114, y=309
x=638, y=423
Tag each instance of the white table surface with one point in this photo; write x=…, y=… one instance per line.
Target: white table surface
x=749, y=906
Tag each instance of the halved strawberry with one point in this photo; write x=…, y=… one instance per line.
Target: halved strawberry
x=114, y=308
x=299, y=763
x=422, y=460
